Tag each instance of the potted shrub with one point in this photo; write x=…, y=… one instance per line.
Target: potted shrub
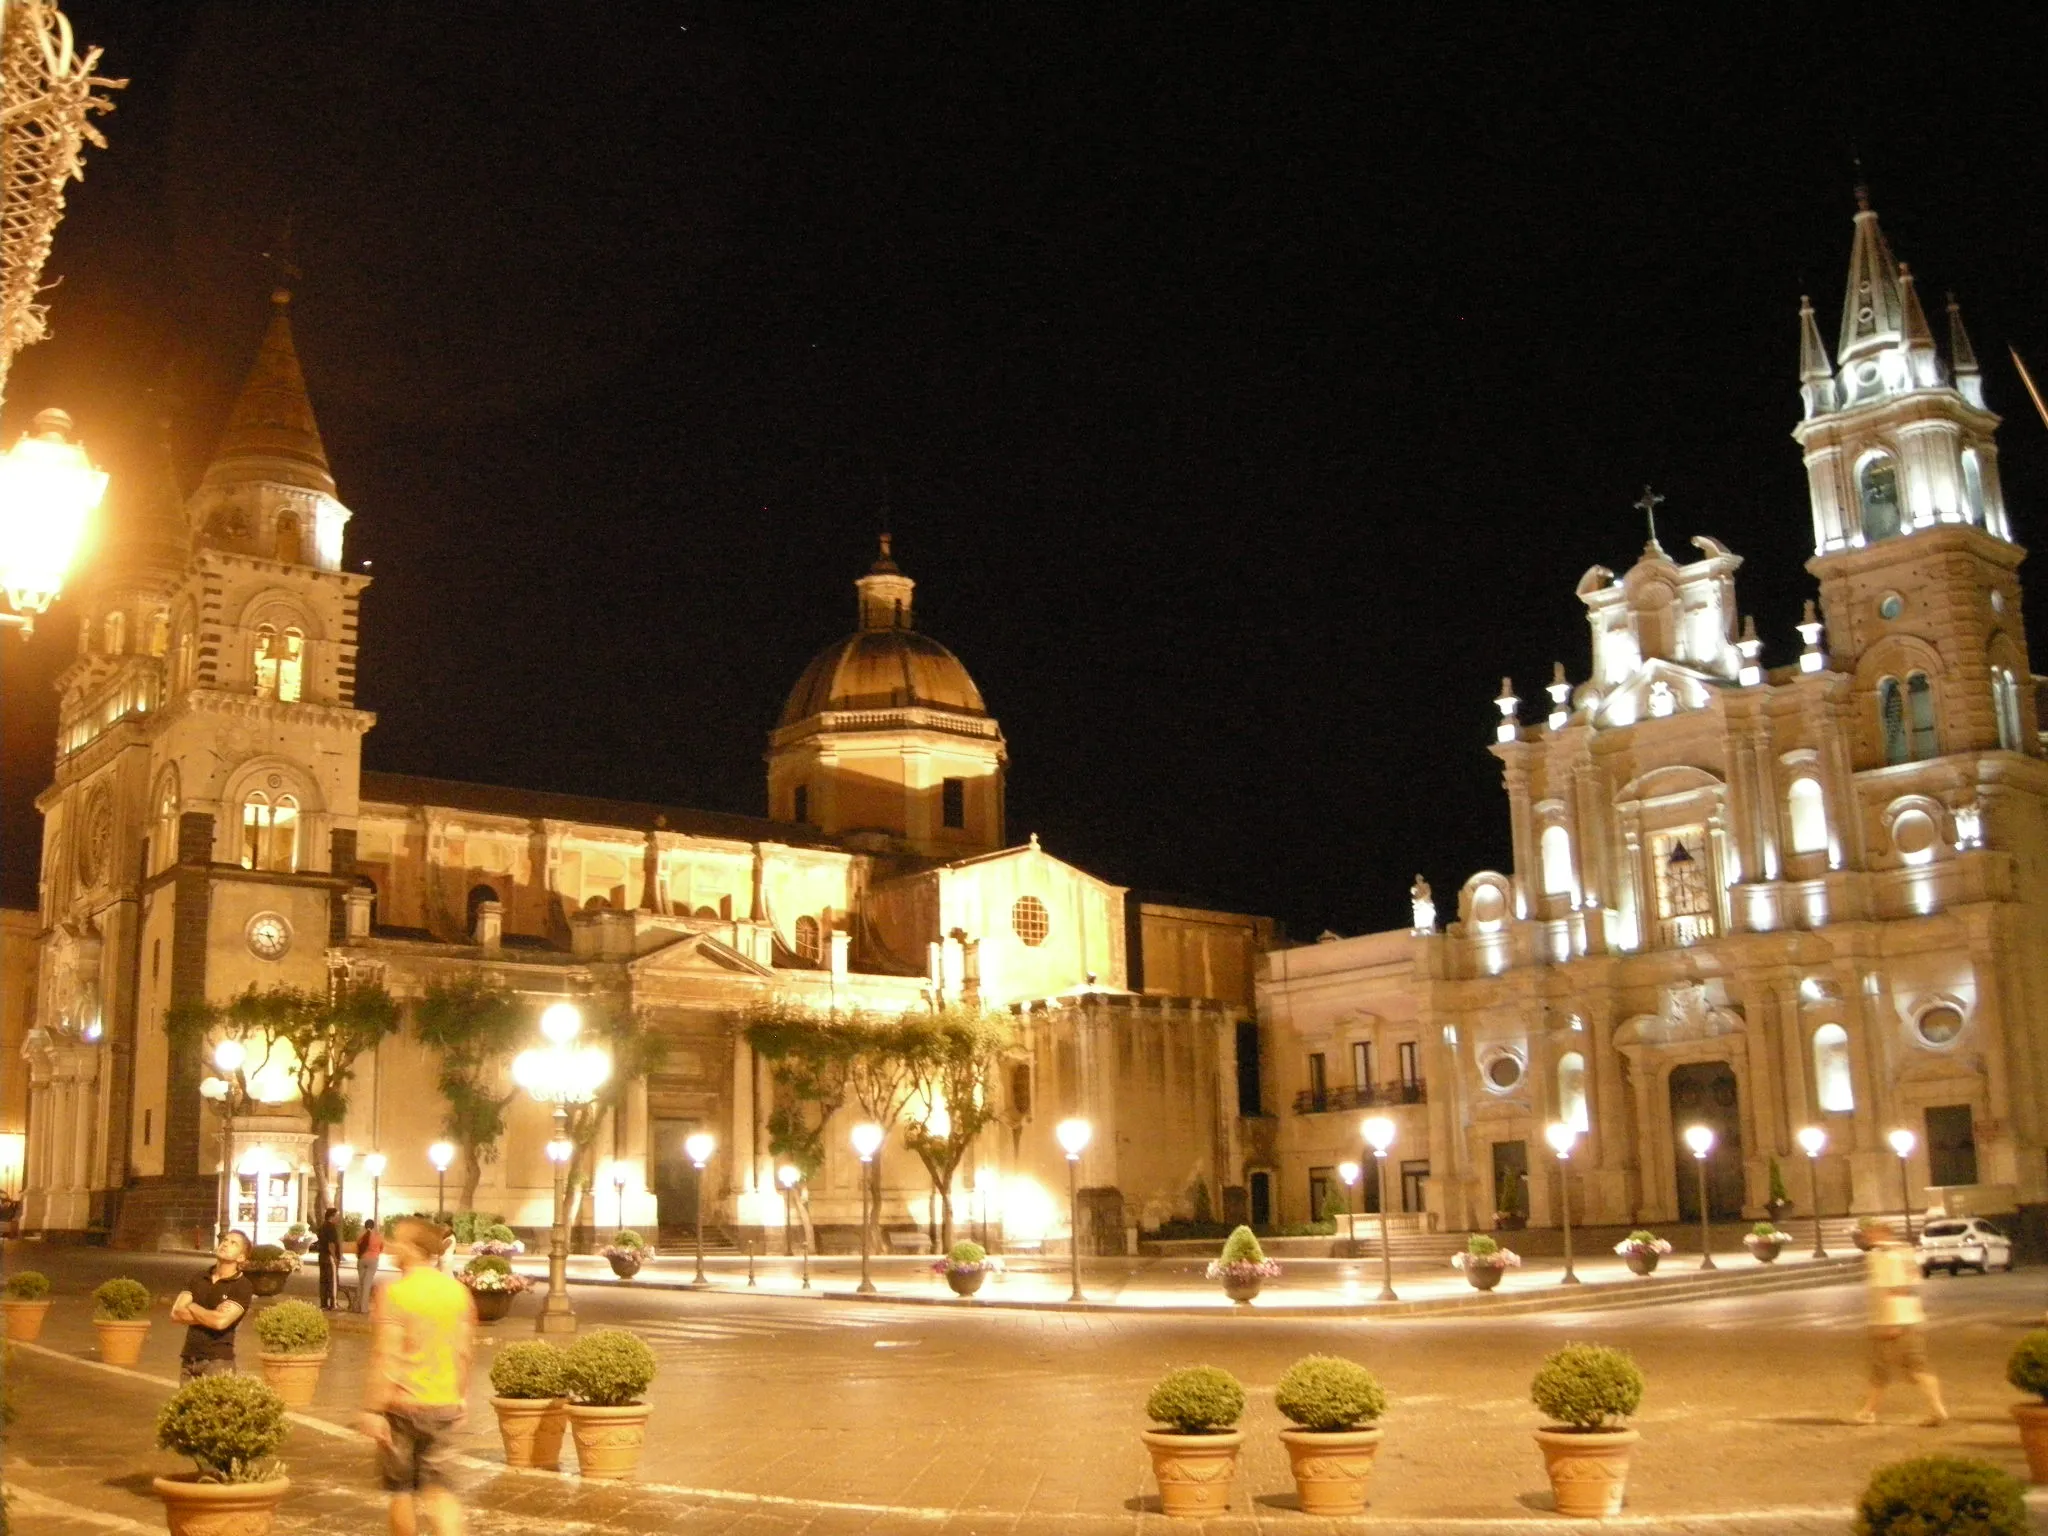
x=230, y=1427
x=269, y=1267
x=1779, y=1200
x=293, y=1336
x=26, y=1304
x=298, y=1238
x=626, y=1253
x=499, y=1239
x=492, y=1285
x=1642, y=1250
x=1511, y=1210
x=607, y=1372
x=1586, y=1391
x=1484, y=1261
x=1765, y=1242
x=1336, y=1405
x=120, y=1315
x=1243, y=1267
x=2027, y=1369
x=528, y=1383
x=965, y=1266
x=1194, y=1454
x=1942, y=1493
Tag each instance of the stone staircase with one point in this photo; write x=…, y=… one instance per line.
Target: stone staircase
x=681, y=1243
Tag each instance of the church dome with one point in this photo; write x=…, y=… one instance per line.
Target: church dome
x=883, y=669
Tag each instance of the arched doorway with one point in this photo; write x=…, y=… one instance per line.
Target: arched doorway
x=1704, y=1093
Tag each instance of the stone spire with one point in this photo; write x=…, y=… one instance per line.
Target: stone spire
x=1962, y=357
x=885, y=593
x=1922, y=361
x=1816, y=373
x=1873, y=313
x=271, y=435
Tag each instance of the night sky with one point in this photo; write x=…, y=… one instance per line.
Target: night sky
x=1246, y=387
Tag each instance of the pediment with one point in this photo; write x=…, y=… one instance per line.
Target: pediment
x=698, y=954
x=1643, y=694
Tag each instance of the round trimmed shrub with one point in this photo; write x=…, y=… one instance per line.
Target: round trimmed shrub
x=966, y=1253
x=1325, y=1392
x=487, y=1263
x=498, y=1232
x=1197, y=1399
x=1587, y=1387
x=1481, y=1246
x=2027, y=1366
x=120, y=1301
x=229, y=1426
x=608, y=1368
x=1952, y=1495
x=27, y=1285
x=532, y=1370
x=1646, y=1238
x=628, y=1238
x=292, y=1328
x=1242, y=1247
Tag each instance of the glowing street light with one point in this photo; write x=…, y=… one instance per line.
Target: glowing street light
x=1700, y=1139
x=698, y=1147
x=1073, y=1136
x=1903, y=1142
x=442, y=1155
x=1561, y=1135
x=1811, y=1140
x=560, y=1073
x=48, y=489
x=867, y=1141
x=1348, y=1173
x=1378, y=1132
x=789, y=1176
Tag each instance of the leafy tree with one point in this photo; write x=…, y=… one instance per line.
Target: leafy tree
x=952, y=1057
x=809, y=1057
x=636, y=1051
x=476, y=1027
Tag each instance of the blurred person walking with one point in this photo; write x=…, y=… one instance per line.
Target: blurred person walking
x=422, y=1333
x=1898, y=1340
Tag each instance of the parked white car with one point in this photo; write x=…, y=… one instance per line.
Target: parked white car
x=1959, y=1243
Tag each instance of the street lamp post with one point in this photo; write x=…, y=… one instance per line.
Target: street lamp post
x=1073, y=1137
x=698, y=1147
x=788, y=1176
x=1700, y=1138
x=1348, y=1173
x=867, y=1141
x=374, y=1164
x=560, y=1073
x=984, y=1189
x=1903, y=1143
x=1811, y=1140
x=1379, y=1135
x=339, y=1155
x=48, y=488
x=230, y=1093
x=619, y=1195
x=442, y=1155
x=1561, y=1135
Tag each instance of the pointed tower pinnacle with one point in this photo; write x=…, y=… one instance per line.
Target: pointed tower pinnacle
x=271, y=435
x=1922, y=361
x=1962, y=357
x=1816, y=373
x=1872, y=314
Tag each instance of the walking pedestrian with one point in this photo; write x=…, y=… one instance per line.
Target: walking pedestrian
x=211, y=1308
x=369, y=1250
x=327, y=1242
x=1898, y=1342
x=422, y=1331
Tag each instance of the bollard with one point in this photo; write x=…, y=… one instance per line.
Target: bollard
x=750, y=1261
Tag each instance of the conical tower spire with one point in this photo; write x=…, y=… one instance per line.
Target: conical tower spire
x=1873, y=314
x=271, y=435
x=1962, y=357
x=1816, y=373
x=1922, y=361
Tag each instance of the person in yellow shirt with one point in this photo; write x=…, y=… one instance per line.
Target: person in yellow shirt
x=1898, y=1345
x=416, y=1396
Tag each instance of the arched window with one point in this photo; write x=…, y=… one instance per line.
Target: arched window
x=289, y=548
x=270, y=832
x=809, y=942
x=1891, y=719
x=478, y=895
x=1831, y=1069
x=1920, y=716
x=2005, y=699
x=117, y=633
x=1808, y=813
x=280, y=659
x=1973, y=487
x=1877, y=487
x=1557, y=861
x=1571, y=1092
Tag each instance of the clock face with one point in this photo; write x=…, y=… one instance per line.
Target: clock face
x=269, y=935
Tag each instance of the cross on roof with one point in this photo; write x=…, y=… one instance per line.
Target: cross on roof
x=1647, y=504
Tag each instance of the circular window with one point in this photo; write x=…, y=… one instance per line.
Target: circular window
x=269, y=935
x=1503, y=1071
x=1891, y=605
x=1914, y=835
x=1939, y=1025
x=1028, y=917
x=1489, y=906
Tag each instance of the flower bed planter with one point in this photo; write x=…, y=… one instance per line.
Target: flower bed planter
x=532, y=1429
x=121, y=1343
x=1588, y=1468
x=1242, y=1291
x=1195, y=1472
x=622, y=1266
x=25, y=1320
x=1332, y=1469
x=2032, y=1419
x=1766, y=1253
x=193, y=1508
x=1640, y=1263
x=965, y=1282
x=1483, y=1277
x=268, y=1282
x=491, y=1306
x=295, y=1378
x=608, y=1440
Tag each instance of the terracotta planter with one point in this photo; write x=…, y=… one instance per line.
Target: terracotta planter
x=121, y=1343
x=965, y=1282
x=532, y=1429
x=268, y=1282
x=1588, y=1469
x=608, y=1440
x=25, y=1320
x=1242, y=1291
x=1766, y=1253
x=295, y=1378
x=1332, y=1468
x=1641, y=1263
x=1195, y=1472
x=624, y=1268
x=1484, y=1277
x=297, y=1244
x=491, y=1305
x=220, y=1509
x=2032, y=1418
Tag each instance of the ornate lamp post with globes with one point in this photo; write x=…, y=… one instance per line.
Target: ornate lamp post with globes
x=1379, y=1135
x=1811, y=1140
x=560, y=1073
x=867, y=1141
x=789, y=1176
x=231, y=1093
x=1073, y=1137
x=698, y=1147
x=1699, y=1139
x=374, y=1164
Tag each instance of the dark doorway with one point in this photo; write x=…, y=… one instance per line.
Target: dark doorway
x=1249, y=1089
x=1415, y=1187
x=1511, y=1178
x=1262, y=1199
x=1320, y=1182
x=1951, y=1145
x=1704, y=1093
x=675, y=1181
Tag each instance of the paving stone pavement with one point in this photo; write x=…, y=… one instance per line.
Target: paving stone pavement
x=779, y=1416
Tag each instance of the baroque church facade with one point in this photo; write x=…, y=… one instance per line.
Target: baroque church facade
x=211, y=829
x=1814, y=896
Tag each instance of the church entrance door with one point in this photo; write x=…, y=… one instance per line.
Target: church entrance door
x=1704, y=1093
x=675, y=1181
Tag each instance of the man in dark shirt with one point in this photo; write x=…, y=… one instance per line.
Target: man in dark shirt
x=211, y=1308
x=328, y=1244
